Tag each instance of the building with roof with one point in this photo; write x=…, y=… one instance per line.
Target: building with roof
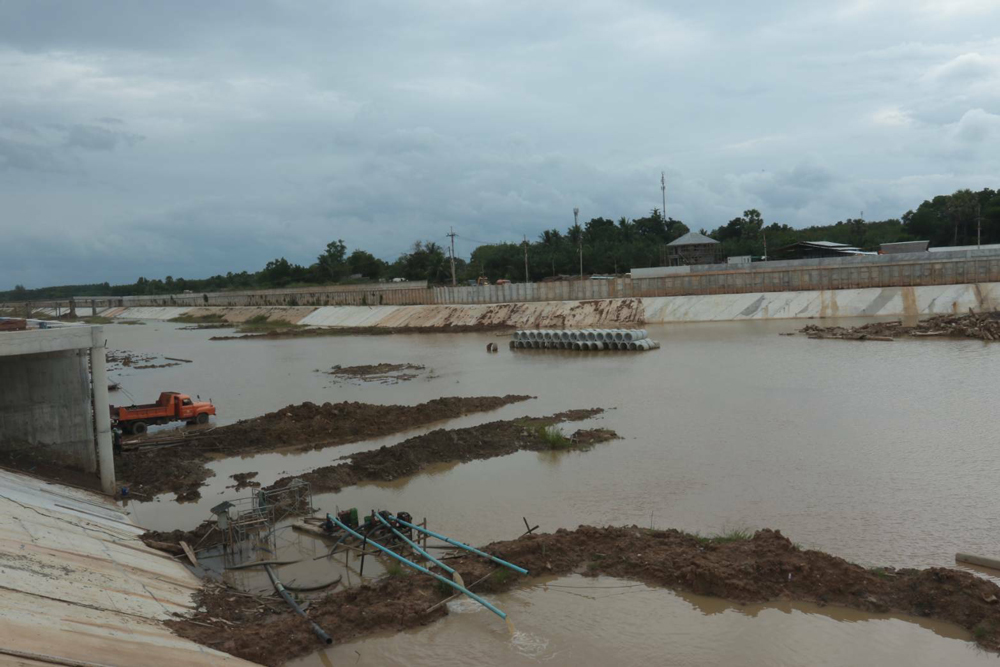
x=691, y=249
x=817, y=250
x=54, y=400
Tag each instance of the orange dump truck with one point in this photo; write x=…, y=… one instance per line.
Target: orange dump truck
x=171, y=407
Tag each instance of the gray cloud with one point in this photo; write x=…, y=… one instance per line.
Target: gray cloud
x=267, y=129
x=94, y=138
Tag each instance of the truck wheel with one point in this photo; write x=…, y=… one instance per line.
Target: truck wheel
x=139, y=428
x=202, y=418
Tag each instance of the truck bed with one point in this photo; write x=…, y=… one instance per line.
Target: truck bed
x=144, y=412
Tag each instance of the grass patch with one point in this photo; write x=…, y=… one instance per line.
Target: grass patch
x=500, y=577
x=394, y=570
x=982, y=631
x=879, y=572
x=733, y=535
x=199, y=319
x=97, y=319
x=554, y=437
x=260, y=323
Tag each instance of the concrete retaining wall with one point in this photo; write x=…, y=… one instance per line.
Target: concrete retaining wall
x=866, y=302
x=45, y=408
x=414, y=292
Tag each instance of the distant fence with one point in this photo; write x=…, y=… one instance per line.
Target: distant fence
x=910, y=269
x=401, y=294
x=900, y=270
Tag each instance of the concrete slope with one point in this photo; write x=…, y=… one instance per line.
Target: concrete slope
x=79, y=587
x=870, y=302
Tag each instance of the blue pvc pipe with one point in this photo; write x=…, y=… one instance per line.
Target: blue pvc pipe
x=463, y=546
x=418, y=568
x=414, y=545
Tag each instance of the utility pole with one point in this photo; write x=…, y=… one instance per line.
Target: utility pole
x=576, y=223
x=526, y=279
x=452, y=235
x=764, y=232
x=663, y=188
x=979, y=226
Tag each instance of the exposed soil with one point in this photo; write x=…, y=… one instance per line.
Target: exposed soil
x=366, y=331
x=484, y=441
x=205, y=535
x=148, y=473
x=982, y=326
x=763, y=568
x=383, y=373
x=22, y=457
x=244, y=480
x=180, y=467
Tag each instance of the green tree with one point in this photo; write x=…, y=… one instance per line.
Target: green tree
x=366, y=264
x=332, y=263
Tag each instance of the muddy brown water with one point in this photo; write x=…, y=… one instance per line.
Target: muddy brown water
x=604, y=621
x=878, y=452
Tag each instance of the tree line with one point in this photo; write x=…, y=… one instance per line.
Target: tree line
x=607, y=247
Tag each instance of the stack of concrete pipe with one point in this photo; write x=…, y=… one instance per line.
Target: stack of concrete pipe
x=583, y=339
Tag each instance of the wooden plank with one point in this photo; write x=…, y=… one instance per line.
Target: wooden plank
x=189, y=553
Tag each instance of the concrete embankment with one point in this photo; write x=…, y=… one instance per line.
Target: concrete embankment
x=80, y=587
x=871, y=302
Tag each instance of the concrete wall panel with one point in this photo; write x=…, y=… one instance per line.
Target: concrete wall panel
x=45, y=407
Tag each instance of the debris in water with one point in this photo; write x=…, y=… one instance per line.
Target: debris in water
x=244, y=480
x=383, y=373
x=982, y=326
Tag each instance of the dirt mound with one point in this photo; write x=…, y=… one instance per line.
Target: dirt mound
x=205, y=535
x=765, y=567
x=310, y=426
x=181, y=466
x=484, y=441
x=180, y=470
x=244, y=480
x=982, y=326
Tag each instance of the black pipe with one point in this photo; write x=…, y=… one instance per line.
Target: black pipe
x=318, y=631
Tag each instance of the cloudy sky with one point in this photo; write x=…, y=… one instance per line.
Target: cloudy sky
x=188, y=138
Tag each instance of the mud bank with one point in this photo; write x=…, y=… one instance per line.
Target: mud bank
x=180, y=466
x=981, y=326
x=485, y=441
x=366, y=331
x=760, y=569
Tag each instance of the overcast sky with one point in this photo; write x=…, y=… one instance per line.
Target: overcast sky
x=193, y=138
